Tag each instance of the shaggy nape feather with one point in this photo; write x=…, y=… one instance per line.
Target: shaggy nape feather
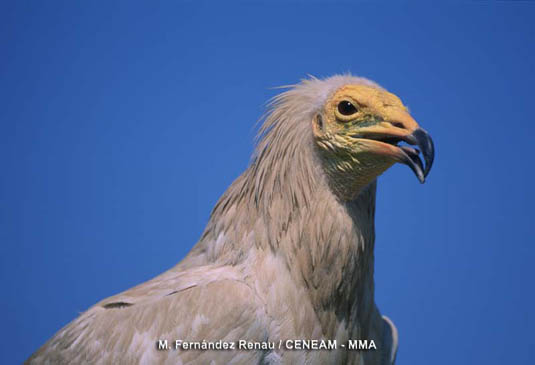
x=282, y=257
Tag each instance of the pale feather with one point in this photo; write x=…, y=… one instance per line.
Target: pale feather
x=280, y=258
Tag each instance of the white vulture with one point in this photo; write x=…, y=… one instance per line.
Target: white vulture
x=283, y=272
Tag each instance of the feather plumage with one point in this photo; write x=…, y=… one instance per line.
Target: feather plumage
x=282, y=257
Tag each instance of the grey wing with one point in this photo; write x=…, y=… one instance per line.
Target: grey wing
x=390, y=340
x=202, y=304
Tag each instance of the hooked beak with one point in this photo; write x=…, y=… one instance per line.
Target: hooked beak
x=410, y=156
x=383, y=139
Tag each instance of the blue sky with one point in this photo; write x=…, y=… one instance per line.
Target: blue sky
x=122, y=123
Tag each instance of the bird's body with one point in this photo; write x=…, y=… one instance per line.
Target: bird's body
x=287, y=255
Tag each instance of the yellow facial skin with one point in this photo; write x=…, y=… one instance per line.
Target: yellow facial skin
x=359, y=144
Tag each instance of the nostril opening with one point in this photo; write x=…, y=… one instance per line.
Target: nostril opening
x=398, y=125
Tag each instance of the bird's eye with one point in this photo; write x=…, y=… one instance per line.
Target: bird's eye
x=346, y=108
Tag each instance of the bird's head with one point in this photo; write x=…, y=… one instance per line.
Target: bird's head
x=359, y=131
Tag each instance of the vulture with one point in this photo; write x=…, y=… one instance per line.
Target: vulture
x=283, y=272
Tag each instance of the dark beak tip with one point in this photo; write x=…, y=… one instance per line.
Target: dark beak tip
x=425, y=142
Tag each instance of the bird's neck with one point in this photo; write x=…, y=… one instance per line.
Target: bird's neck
x=327, y=242
x=348, y=174
x=335, y=259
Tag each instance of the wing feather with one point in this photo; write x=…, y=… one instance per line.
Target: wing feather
x=206, y=303
x=390, y=340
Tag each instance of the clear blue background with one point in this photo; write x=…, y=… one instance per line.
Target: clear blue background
x=123, y=123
